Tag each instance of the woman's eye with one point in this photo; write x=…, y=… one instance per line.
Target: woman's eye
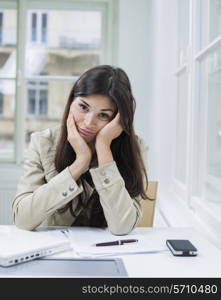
x=83, y=107
x=104, y=117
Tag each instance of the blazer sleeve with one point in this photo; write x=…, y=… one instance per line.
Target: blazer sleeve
x=35, y=199
x=122, y=212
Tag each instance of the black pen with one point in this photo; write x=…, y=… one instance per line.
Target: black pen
x=115, y=243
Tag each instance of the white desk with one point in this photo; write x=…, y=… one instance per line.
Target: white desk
x=206, y=264
x=164, y=264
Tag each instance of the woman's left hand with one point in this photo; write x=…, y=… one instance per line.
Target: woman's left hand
x=110, y=131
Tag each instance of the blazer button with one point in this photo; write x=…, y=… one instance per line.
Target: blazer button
x=103, y=173
x=106, y=180
x=71, y=188
x=64, y=194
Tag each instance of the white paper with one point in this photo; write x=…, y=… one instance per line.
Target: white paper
x=83, y=238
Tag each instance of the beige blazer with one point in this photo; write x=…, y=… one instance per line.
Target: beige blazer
x=42, y=190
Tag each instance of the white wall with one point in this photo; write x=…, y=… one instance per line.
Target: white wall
x=147, y=52
x=164, y=91
x=135, y=56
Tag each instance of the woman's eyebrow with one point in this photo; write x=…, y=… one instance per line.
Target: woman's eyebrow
x=105, y=109
x=84, y=102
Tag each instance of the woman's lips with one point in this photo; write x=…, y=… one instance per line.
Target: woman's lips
x=85, y=132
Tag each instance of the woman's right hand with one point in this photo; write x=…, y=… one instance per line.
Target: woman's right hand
x=81, y=148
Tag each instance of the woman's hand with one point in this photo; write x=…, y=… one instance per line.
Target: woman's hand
x=81, y=148
x=109, y=132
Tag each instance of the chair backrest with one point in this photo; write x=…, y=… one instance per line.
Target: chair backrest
x=149, y=205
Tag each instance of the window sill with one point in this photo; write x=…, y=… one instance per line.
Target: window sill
x=176, y=213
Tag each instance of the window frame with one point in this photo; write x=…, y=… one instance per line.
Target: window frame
x=204, y=207
x=201, y=115
x=180, y=188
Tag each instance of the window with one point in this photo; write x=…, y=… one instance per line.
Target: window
x=1, y=27
x=197, y=171
x=210, y=11
x=44, y=27
x=62, y=39
x=34, y=27
x=37, y=99
x=183, y=28
x=181, y=128
x=209, y=75
x=210, y=131
x=181, y=160
x=38, y=30
x=8, y=42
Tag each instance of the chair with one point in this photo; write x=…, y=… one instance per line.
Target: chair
x=149, y=205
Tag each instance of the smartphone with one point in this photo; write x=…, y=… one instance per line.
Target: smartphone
x=181, y=247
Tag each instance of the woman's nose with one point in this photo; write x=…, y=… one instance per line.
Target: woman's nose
x=90, y=120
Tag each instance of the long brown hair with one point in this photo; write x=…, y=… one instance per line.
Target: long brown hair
x=114, y=83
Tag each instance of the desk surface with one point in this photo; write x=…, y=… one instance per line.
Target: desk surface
x=206, y=264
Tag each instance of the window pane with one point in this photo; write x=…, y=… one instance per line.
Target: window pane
x=181, y=128
x=66, y=42
x=43, y=103
x=44, y=28
x=183, y=30
x=49, y=103
x=31, y=101
x=34, y=27
x=211, y=78
x=1, y=104
x=7, y=43
x=210, y=21
x=1, y=27
x=7, y=127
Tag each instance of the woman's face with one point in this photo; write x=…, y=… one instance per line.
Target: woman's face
x=91, y=114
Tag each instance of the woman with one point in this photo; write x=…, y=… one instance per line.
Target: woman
x=90, y=171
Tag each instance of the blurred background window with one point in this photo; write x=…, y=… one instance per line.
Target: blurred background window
x=8, y=31
x=58, y=45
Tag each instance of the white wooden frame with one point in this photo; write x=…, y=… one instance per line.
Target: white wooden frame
x=191, y=194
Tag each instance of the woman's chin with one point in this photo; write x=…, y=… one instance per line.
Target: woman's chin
x=88, y=139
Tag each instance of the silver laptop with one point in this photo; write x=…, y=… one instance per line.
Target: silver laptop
x=18, y=246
